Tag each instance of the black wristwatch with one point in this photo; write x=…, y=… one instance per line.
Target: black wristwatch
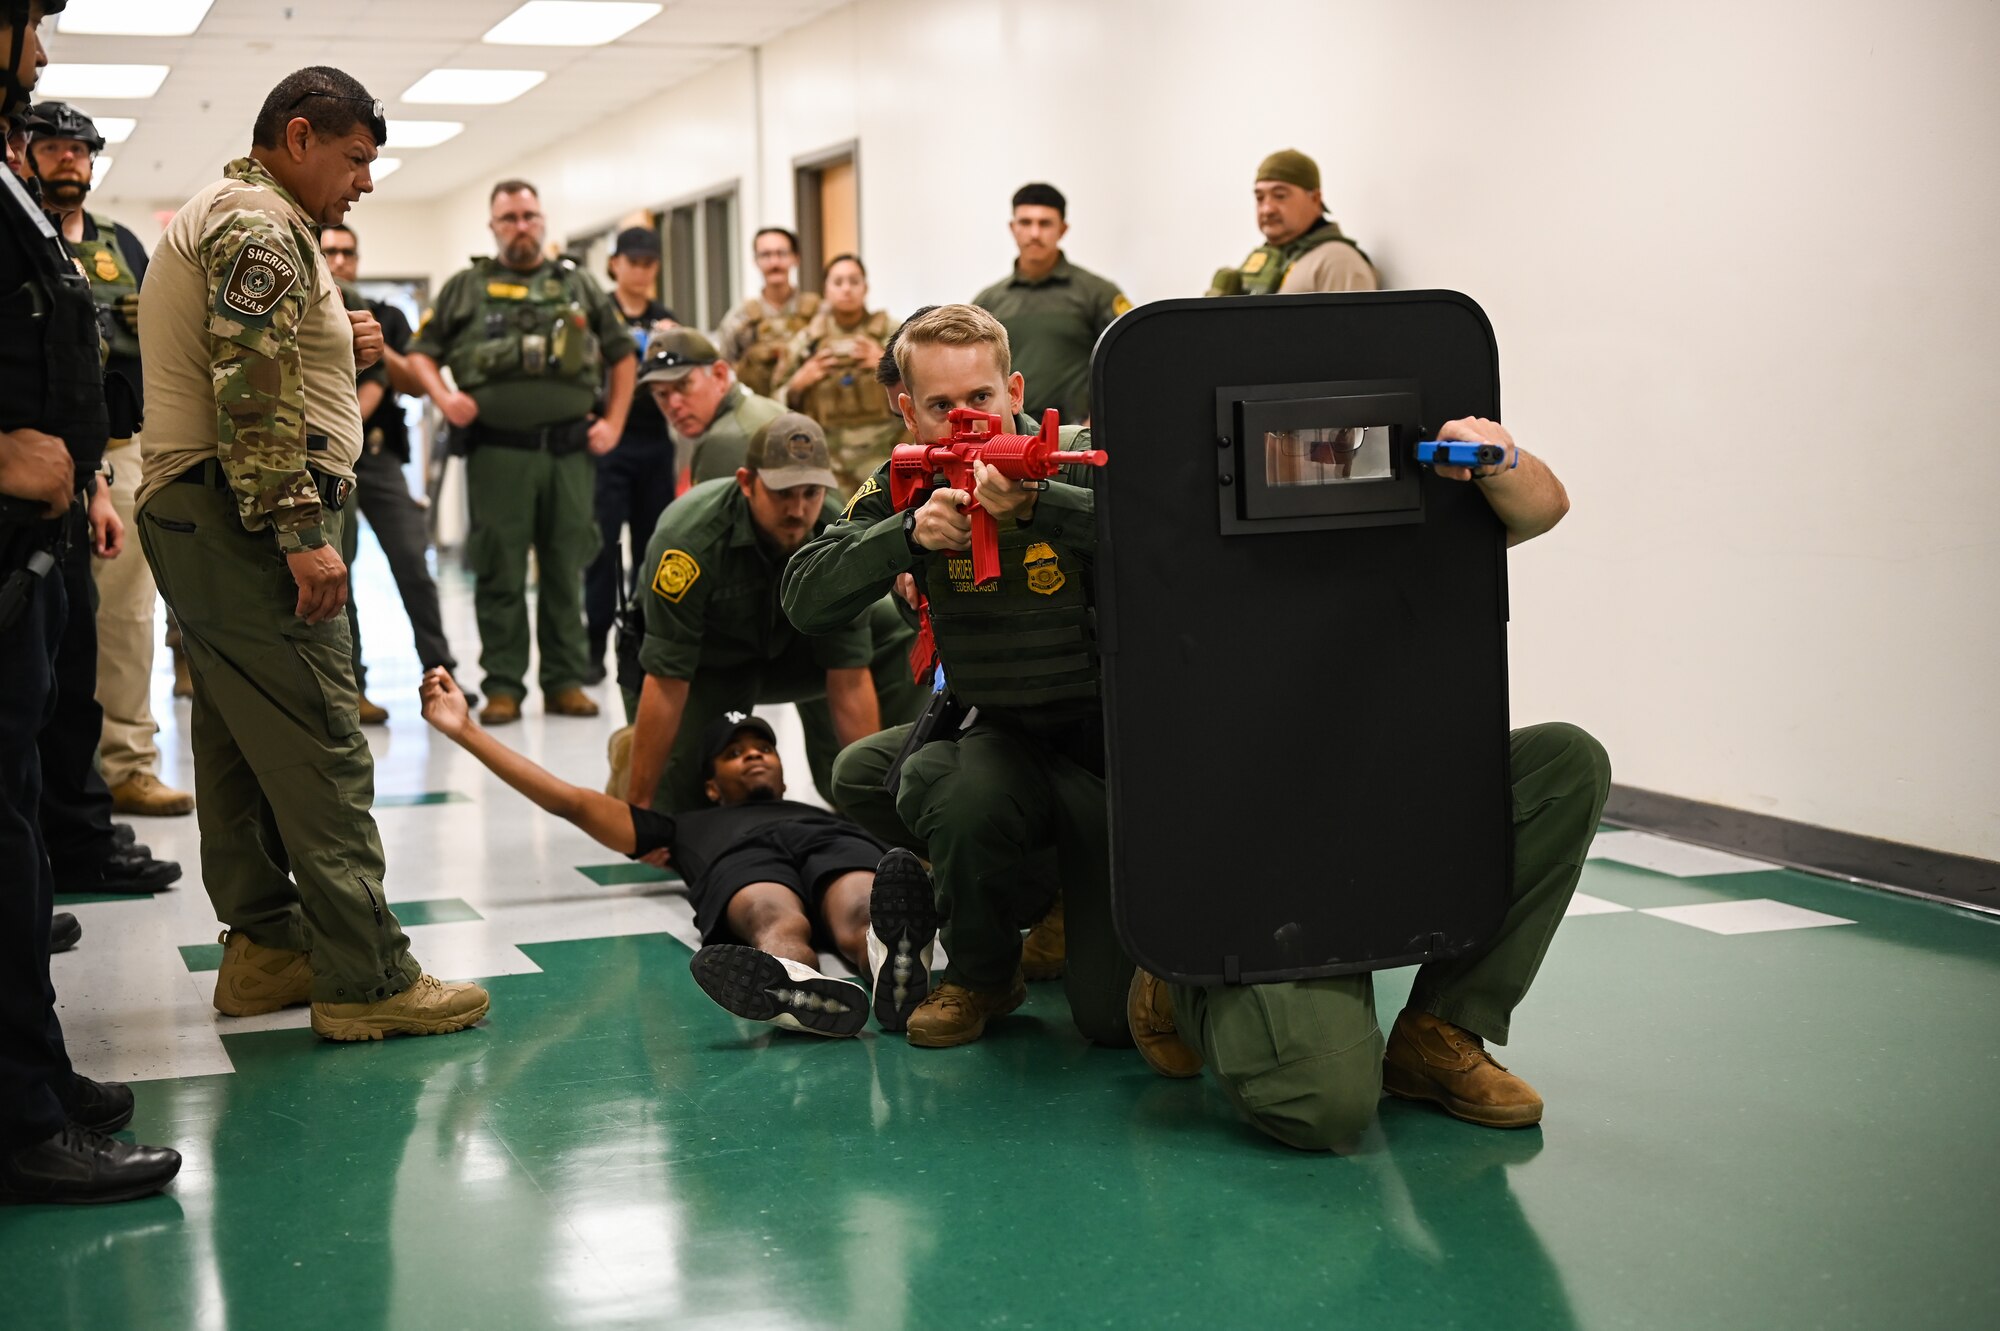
x=910, y=533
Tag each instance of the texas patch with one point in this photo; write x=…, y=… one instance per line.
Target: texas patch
x=259, y=280
x=677, y=572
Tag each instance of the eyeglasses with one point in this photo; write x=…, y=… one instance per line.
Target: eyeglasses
x=517, y=219
x=339, y=251
x=374, y=104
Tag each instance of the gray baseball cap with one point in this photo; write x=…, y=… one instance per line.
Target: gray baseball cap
x=791, y=451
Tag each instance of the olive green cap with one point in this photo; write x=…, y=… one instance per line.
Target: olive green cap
x=1291, y=166
x=791, y=451
x=675, y=354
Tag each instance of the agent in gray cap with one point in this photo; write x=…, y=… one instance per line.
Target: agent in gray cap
x=1303, y=248
x=711, y=416
x=716, y=641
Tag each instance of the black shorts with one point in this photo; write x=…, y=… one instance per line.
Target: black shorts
x=803, y=856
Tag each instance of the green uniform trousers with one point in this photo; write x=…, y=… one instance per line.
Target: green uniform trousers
x=284, y=782
x=1303, y=1058
x=522, y=498
x=796, y=678
x=981, y=806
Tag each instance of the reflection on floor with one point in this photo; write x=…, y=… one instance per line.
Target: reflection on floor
x=1776, y=1117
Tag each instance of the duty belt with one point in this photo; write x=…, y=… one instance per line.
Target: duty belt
x=564, y=438
x=333, y=490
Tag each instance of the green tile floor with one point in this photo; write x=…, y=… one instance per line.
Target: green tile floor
x=1788, y=1129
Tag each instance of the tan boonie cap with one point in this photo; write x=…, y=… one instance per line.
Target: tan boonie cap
x=675, y=354
x=1291, y=166
x=791, y=451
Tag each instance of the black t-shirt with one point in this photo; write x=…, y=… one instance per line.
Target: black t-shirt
x=700, y=837
x=388, y=417
x=644, y=419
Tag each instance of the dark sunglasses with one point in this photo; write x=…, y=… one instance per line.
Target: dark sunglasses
x=374, y=104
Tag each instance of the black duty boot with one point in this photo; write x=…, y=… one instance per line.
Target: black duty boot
x=101, y=1106
x=64, y=932
x=78, y=1166
x=125, y=869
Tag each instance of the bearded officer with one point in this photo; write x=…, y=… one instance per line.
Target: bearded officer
x=54, y=1145
x=529, y=341
x=1303, y=249
x=715, y=640
x=63, y=144
x=255, y=429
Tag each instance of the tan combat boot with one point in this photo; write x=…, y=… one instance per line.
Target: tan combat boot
x=373, y=714
x=1042, y=950
x=500, y=710
x=618, y=751
x=569, y=702
x=954, y=1015
x=428, y=1007
x=254, y=979
x=1429, y=1059
x=145, y=794
x=1149, y=1010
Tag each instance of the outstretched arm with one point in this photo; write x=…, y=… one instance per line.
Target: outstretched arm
x=607, y=820
x=1527, y=497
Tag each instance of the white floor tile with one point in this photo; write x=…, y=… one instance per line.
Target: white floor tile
x=1746, y=917
x=1665, y=855
x=1582, y=903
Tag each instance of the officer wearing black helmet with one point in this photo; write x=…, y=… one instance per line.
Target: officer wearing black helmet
x=53, y=1123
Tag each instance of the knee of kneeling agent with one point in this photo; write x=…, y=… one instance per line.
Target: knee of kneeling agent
x=1323, y=1113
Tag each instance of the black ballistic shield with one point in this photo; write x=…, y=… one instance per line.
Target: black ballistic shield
x=1304, y=636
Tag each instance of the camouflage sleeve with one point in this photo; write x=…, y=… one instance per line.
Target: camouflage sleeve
x=838, y=574
x=733, y=338
x=258, y=289
x=797, y=353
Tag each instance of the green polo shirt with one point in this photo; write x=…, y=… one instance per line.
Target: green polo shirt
x=1053, y=325
x=719, y=450
x=711, y=603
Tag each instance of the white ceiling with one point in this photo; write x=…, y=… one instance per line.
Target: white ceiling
x=201, y=116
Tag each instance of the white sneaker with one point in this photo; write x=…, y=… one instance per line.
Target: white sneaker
x=902, y=937
x=760, y=987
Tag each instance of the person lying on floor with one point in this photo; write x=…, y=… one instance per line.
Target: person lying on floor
x=771, y=880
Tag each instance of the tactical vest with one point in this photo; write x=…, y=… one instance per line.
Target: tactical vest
x=1028, y=640
x=110, y=279
x=527, y=326
x=1263, y=271
x=50, y=375
x=848, y=395
x=770, y=337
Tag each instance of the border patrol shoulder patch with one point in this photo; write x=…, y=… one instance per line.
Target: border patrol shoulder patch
x=868, y=487
x=258, y=280
x=677, y=572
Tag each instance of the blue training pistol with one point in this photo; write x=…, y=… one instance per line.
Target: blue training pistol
x=1443, y=453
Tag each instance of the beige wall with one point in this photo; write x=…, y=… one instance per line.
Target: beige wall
x=1739, y=258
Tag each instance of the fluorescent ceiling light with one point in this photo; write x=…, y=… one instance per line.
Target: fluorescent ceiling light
x=82, y=82
x=383, y=167
x=100, y=167
x=115, y=129
x=134, y=18
x=471, y=87
x=422, y=133
x=568, y=23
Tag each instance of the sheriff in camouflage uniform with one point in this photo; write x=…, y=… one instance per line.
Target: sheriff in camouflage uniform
x=253, y=431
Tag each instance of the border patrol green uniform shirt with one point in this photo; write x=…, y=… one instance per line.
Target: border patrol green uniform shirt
x=711, y=603
x=719, y=450
x=474, y=328
x=1053, y=324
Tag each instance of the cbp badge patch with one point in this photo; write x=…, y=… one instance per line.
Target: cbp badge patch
x=1045, y=575
x=868, y=487
x=257, y=281
x=1255, y=263
x=677, y=572
x=1120, y=307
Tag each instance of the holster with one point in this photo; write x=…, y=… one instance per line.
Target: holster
x=944, y=718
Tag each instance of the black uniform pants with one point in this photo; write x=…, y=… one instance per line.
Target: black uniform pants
x=33, y=1062
x=635, y=483
x=399, y=523
x=76, y=804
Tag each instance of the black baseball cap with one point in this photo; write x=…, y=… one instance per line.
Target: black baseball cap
x=722, y=732
x=637, y=242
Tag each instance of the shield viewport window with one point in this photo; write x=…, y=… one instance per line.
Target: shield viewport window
x=1328, y=455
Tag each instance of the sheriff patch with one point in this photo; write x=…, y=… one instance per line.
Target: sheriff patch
x=868, y=487
x=677, y=572
x=259, y=280
x=1045, y=575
